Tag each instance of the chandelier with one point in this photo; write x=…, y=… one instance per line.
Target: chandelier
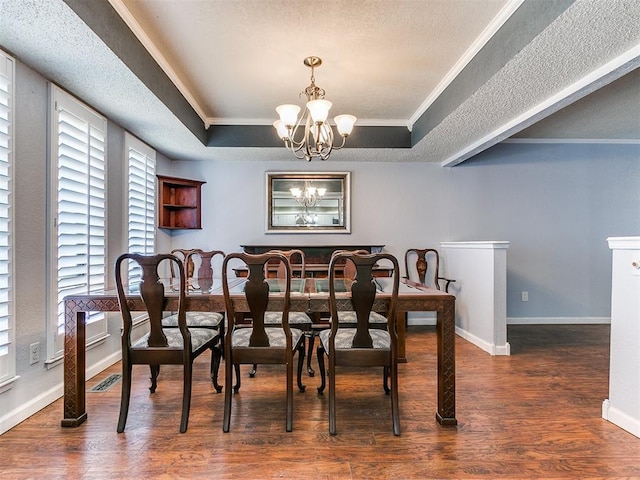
x=317, y=140
x=308, y=196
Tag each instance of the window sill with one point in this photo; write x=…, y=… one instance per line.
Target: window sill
x=7, y=384
x=54, y=362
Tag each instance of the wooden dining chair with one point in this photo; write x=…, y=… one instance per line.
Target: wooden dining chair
x=360, y=345
x=161, y=346
x=200, y=280
x=299, y=320
x=259, y=343
x=424, y=263
x=349, y=272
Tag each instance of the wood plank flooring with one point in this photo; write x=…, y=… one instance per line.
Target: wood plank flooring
x=534, y=414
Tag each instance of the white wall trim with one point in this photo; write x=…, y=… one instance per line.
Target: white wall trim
x=491, y=348
x=620, y=418
x=599, y=141
x=34, y=405
x=558, y=320
x=486, y=35
x=490, y=244
x=138, y=31
x=624, y=243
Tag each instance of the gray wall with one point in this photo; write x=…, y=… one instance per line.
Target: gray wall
x=556, y=204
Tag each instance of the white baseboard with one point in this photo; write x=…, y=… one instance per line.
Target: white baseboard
x=491, y=348
x=621, y=419
x=421, y=318
x=422, y=321
x=558, y=320
x=34, y=405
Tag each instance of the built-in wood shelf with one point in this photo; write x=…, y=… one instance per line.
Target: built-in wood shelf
x=179, y=203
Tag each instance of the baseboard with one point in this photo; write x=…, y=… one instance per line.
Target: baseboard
x=491, y=348
x=34, y=405
x=621, y=419
x=422, y=321
x=558, y=320
x=421, y=318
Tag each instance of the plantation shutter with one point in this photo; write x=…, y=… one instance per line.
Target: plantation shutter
x=79, y=222
x=141, y=202
x=7, y=318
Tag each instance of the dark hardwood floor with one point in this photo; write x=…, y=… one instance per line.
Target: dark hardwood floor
x=534, y=414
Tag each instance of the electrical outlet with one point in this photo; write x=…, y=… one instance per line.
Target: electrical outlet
x=525, y=296
x=34, y=353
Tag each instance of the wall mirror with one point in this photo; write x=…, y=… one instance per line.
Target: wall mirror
x=300, y=202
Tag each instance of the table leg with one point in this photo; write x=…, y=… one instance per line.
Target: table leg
x=401, y=330
x=446, y=330
x=75, y=412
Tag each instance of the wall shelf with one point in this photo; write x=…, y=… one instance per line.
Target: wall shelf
x=179, y=203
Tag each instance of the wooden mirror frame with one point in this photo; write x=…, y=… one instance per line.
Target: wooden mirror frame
x=332, y=213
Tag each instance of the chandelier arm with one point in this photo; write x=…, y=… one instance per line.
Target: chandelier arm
x=344, y=140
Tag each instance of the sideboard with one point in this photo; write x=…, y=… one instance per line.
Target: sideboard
x=317, y=257
x=314, y=254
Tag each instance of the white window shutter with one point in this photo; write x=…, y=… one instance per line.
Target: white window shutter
x=141, y=219
x=78, y=147
x=7, y=318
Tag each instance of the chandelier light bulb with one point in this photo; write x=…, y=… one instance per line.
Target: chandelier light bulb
x=319, y=110
x=281, y=128
x=344, y=124
x=288, y=114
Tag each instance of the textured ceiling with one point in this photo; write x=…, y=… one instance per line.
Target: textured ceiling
x=457, y=75
x=381, y=59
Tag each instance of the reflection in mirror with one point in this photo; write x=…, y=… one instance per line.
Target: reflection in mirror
x=308, y=202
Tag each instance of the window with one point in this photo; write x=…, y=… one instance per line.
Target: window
x=7, y=319
x=141, y=181
x=78, y=210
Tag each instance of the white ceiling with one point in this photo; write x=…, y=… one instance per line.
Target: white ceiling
x=461, y=74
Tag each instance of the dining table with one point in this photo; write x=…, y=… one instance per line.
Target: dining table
x=308, y=295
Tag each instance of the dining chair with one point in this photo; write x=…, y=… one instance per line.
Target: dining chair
x=200, y=280
x=424, y=263
x=349, y=273
x=299, y=320
x=361, y=345
x=161, y=346
x=258, y=343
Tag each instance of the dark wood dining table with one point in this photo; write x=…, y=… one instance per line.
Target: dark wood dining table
x=310, y=297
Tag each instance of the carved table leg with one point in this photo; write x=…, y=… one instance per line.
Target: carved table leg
x=74, y=368
x=446, y=329
x=401, y=330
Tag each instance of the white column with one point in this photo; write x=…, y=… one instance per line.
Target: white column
x=480, y=273
x=623, y=405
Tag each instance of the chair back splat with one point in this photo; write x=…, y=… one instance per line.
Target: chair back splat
x=358, y=343
x=200, y=280
x=301, y=320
